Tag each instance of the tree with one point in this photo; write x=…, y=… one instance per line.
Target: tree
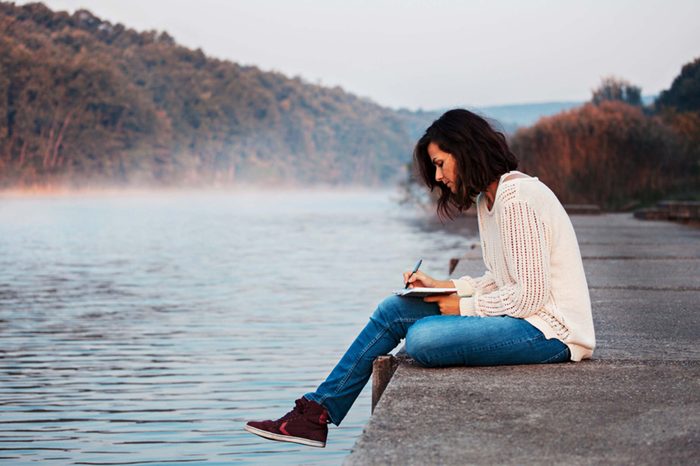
x=684, y=94
x=612, y=88
x=611, y=154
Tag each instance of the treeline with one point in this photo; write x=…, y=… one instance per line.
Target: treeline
x=616, y=153
x=84, y=101
x=612, y=151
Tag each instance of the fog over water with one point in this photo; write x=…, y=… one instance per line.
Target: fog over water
x=147, y=328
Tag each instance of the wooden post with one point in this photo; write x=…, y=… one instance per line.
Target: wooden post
x=453, y=265
x=383, y=368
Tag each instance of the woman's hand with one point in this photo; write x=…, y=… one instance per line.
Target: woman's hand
x=419, y=279
x=448, y=304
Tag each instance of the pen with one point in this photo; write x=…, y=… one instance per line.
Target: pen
x=415, y=269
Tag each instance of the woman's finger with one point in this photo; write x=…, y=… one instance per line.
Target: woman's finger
x=425, y=279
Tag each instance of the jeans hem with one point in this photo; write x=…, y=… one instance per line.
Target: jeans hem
x=312, y=397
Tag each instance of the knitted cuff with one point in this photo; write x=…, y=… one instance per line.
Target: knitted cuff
x=465, y=286
x=467, y=306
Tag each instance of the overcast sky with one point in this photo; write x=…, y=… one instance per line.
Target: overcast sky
x=438, y=53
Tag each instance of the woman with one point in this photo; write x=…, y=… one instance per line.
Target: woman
x=530, y=307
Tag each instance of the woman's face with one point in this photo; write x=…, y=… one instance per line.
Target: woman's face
x=445, y=166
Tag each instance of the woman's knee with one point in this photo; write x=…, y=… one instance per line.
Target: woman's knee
x=389, y=310
x=421, y=343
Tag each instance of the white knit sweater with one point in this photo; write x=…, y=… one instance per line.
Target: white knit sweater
x=534, y=266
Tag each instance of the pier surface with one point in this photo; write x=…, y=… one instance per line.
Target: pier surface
x=636, y=402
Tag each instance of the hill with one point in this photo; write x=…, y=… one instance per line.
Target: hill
x=85, y=101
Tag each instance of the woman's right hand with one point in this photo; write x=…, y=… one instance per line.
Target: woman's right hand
x=419, y=279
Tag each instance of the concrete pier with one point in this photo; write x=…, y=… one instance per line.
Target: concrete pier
x=636, y=402
x=680, y=211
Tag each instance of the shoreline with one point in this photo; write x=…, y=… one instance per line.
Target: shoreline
x=68, y=192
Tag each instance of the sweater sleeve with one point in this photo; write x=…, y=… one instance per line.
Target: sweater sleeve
x=525, y=242
x=468, y=286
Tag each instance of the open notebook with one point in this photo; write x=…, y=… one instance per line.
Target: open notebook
x=419, y=292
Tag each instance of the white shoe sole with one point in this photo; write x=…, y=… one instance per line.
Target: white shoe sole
x=284, y=438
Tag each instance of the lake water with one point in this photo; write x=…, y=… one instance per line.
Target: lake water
x=146, y=329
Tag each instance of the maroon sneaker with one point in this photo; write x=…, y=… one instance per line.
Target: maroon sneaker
x=307, y=424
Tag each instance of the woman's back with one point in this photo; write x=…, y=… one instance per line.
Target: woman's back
x=530, y=248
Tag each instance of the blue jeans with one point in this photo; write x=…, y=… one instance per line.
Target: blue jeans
x=433, y=340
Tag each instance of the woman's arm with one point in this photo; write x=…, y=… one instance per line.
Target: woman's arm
x=525, y=241
x=468, y=286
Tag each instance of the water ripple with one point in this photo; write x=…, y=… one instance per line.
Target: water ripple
x=147, y=330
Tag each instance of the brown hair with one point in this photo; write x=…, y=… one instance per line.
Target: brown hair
x=481, y=156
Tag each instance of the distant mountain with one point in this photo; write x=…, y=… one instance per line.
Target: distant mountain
x=518, y=115
x=515, y=116
x=505, y=117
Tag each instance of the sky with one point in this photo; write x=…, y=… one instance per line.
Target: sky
x=433, y=54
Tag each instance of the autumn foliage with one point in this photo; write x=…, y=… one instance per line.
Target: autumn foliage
x=613, y=154
x=84, y=101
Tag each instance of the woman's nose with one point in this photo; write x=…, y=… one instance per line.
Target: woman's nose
x=438, y=174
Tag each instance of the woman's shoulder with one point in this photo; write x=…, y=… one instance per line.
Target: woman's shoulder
x=523, y=187
x=520, y=187
x=515, y=175
x=539, y=197
x=517, y=186
x=509, y=188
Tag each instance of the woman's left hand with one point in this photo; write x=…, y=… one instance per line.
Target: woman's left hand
x=449, y=304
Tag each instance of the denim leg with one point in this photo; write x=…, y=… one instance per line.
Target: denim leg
x=481, y=341
x=386, y=328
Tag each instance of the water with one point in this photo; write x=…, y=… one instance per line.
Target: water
x=146, y=329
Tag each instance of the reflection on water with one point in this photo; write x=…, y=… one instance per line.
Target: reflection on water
x=148, y=329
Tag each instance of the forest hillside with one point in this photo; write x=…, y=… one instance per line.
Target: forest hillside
x=87, y=102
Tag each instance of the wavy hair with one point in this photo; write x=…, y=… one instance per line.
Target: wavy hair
x=481, y=156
